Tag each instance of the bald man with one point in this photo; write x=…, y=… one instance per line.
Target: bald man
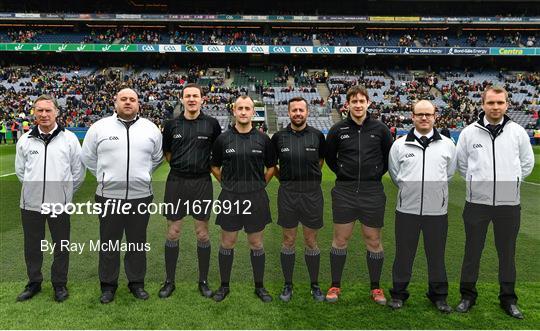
x=421, y=164
x=122, y=151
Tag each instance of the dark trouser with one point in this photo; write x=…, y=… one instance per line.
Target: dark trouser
x=111, y=231
x=434, y=229
x=506, y=220
x=3, y=138
x=14, y=136
x=33, y=223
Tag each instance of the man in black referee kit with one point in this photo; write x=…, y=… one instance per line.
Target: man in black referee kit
x=239, y=158
x=187, y=144
x=494, y=155
x=421, y=164
x=300, y=150
x=357, y=151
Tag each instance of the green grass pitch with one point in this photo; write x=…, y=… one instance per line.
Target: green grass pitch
x=186, y=309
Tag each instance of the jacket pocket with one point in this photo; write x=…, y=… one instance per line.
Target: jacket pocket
x=507, y=191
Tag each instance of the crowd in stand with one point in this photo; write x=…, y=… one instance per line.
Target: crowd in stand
x=235, y=36
x=86, y=98
x=461, y=110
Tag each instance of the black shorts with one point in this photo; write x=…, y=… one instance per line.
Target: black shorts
x=303, y=207
x=365, y=205
x=249, y=211
x=186, y=193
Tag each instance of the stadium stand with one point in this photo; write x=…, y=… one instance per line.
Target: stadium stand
x=257, y=36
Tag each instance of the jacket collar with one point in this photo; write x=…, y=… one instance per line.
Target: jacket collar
x=34, y=133
x=233, y=128
x=201, y=116
x=480, y=124
x=411, y=137
x=481, y=116
x=290, y=129
x=350, y=121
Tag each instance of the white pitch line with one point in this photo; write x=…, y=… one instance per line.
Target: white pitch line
x=11, y=174
x=531, y=183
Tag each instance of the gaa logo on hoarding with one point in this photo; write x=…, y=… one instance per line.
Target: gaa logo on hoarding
x=347, y=50
x=229, y=17
x=323, y=50
x=213, y=49
x=148, y=48
x=191, y=48
x=169, y=48
x=258, y=49
x=301, y=50
x=236, y=49
x=277, y=49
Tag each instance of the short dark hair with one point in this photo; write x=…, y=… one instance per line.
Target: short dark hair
x=244, y=97
x=357, y=89
x=496, y=90
x=47, y=97
x=193, y=85
x=297, y=99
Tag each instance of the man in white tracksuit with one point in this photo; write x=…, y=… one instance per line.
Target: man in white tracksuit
x=494, y=155
x=48, y=163
x=122, y=151
x=421, y=164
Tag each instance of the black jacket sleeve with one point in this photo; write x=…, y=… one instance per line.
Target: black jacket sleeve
x=167, y=137
x=322, y=146
x=270, y=155
x=386, y=144
x=331, y=148
x=217, y=152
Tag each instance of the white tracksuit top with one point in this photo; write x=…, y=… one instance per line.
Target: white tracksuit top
x=122, y=159
x=422, y=175
x=50, y=172
x=494, y=167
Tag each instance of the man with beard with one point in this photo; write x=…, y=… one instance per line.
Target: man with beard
x=122, y=151
x=300, y=149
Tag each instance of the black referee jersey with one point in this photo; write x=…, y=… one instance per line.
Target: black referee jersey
x=243, y=157
x=299, y=154
x=190, y=144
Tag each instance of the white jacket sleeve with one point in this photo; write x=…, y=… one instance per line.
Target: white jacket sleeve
x=78, y=171
x=89, y=150
x=462, y=155
x=526, y=154
x=157, y=153
x=393, y=163
x=20, y=159
x=452, y=163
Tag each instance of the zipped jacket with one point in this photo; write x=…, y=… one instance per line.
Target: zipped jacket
x=494, y=165
x=50, y=170
x=123, y=156
x=422, y=173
